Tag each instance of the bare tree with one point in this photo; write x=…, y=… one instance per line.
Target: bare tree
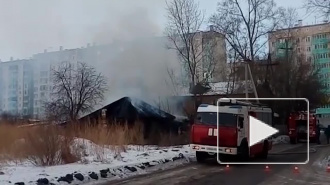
x=77, y=89
x=246, y=28
x=195, y=50
x=322, y=7
x=293, y=77
x=233, y=57
x=184, y=21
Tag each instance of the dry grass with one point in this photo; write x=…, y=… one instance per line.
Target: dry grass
x=47, y=145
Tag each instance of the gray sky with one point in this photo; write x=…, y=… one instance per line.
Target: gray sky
x=29, y=27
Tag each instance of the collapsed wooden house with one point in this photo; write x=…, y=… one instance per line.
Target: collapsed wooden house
x=130, y=111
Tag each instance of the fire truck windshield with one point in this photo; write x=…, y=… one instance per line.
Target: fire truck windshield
x=225, y=119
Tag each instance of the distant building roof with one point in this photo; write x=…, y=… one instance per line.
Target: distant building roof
x=221, y=88
x=299, y=27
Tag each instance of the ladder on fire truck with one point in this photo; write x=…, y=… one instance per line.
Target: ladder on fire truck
x=233, y=102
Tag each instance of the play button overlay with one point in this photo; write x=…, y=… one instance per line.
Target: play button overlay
x=245, y=134
x=259, y=131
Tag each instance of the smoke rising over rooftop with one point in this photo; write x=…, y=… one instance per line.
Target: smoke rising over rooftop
x=133, y=69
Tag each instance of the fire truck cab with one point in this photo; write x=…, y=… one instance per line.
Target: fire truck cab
x=232, y=130
x=297, y=127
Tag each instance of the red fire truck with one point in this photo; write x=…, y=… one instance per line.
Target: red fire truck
x=297, y=127
x=233, y=133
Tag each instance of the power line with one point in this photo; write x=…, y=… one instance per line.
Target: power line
x=309, y=13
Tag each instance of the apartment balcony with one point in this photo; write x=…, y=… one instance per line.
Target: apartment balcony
x=321, y=41
x=323, y=111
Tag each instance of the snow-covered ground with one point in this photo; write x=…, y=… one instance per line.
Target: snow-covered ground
x=282, y=139
x=101, y=163
x=323, y=163
x=104, y=162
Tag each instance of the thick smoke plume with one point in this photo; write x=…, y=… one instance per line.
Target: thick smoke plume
x=137, y=62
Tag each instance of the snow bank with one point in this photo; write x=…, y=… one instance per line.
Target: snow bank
x=283, y=139
x=323, y=163
x=97, y=163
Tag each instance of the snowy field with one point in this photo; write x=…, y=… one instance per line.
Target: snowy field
x=98, y=163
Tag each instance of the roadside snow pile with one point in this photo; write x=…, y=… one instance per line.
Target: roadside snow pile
x=324, y=163
x=283, y=139
x=97, y=163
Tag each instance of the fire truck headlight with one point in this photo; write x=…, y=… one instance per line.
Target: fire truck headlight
x=228, y=150
x=195, y=147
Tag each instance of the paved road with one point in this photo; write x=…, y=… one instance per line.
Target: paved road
x=212, y=173
x=312, y=173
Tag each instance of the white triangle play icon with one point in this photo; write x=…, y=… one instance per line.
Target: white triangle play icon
x=259, y=131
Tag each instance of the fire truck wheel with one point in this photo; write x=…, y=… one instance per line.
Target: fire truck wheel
x=293, y=140
x=312, y=140
x=201, y=156
x=264, y=153
x=244, y=151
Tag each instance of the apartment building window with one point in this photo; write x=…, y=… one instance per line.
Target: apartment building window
x=13, y=67
x=308, y=39
x=43, y=87
x=309, y=59
x=308, y=48
x=298, y=50
x=43, y=80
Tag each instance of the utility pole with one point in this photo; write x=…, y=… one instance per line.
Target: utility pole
x=248, y=72
x=246, y=80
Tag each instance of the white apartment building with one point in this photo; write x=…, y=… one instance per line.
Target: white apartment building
x=210, y=55
x=42, y=82
x=16, y=87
